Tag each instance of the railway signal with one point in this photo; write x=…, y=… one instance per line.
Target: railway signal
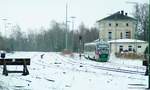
x=80, y=45
x=149, y=62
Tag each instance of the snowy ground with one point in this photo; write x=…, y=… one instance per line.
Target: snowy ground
x=57, y=72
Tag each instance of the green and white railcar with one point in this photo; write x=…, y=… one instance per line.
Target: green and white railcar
x=98, y=51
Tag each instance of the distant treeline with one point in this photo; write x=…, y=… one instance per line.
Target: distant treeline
x=51, y=39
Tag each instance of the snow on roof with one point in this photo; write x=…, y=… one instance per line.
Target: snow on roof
x=96, y=41
x=126, y=40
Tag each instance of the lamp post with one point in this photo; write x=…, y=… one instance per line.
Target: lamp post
x=66, y=36
x=149, y=56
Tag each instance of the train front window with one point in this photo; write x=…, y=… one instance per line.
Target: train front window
x=102, y=48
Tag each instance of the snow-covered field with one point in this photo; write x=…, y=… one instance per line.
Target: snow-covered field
x=58, y=72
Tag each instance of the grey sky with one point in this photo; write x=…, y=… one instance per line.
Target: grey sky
x=36, y=13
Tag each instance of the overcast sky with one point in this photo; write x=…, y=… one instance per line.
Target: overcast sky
x=36, y=13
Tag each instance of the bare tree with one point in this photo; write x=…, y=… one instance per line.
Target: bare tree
x=141, y=13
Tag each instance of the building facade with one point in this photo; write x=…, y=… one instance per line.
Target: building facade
x=120, y=30
x=128, y=45
x=117, y=26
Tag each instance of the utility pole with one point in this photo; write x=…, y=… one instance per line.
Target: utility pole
x=66, y=36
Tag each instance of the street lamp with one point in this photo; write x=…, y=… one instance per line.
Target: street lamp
x=66, y=36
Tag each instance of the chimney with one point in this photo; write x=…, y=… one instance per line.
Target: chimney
x=122, y=12
x=126, y=14
x=118, y=12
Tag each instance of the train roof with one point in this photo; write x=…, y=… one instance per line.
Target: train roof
x=95, y=42
x=92, y=43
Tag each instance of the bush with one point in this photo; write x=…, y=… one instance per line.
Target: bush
x=129, y=55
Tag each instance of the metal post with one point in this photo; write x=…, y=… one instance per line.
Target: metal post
x=80, y=45
x=115, y=34
x=25, y=70
x=5, y=68
x=149, y=58
x=66, y=26
x=4, y=64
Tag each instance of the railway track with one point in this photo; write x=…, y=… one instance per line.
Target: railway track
x=73, y=62
x=119, y=70
x=78, y=62
x=70, y=61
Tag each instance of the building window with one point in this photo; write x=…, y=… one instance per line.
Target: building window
x=110, y=24
x=109, y=35
x=130, y=48
x=139, y=46
x=127, y=24
x=128, y=35
x=116, y=24
x=120, y=48
x=121, y=36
